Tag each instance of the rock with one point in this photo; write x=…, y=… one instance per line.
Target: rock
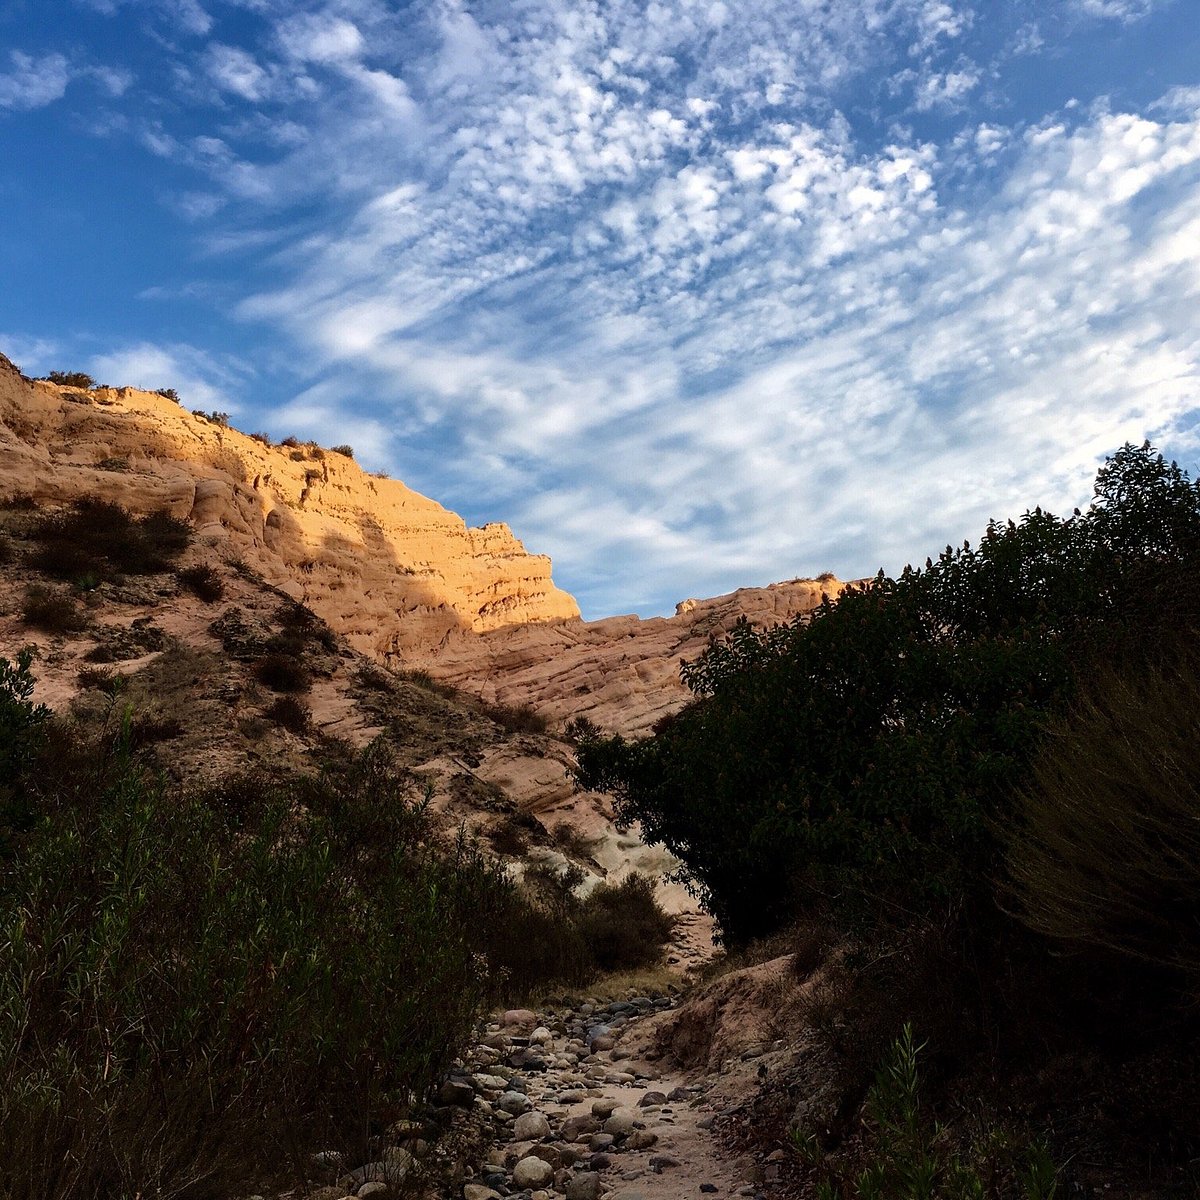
x=679, y=1094
x=661, y=1162
x=378, y=1172
x=652, y=1098
x=520, y=1018
x=574, y=1128
x=456, y=1092
x=603, y=1109
x=514, y=1102
x=476, y=1191
x=586, y=1185
x=327, y=1193
x=601, y=1042
x=375, y=1188
x=540, y=1036
x=708, y=1188
x=573, y=1096
x=601, y=1141
x=533, y=1172
x=620, y=1123
x=641, y=1139
x=398, y=1157
x=531, y=1127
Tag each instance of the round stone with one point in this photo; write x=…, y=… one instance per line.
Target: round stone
x=531, y=1127
x=514, y=1102
x=533, y=1172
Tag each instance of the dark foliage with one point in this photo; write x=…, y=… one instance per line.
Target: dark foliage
x=1104, y=850
x=95, y=538
x=52, y=611
x=203, y=581
x=72, y=379
x=168, y=394
x=291, y=713
x=517, y=718
x=283, y=673
x=347, y=451
x=871, y=754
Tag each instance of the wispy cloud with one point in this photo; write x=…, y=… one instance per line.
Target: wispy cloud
x=31, y=82
x=695, y=295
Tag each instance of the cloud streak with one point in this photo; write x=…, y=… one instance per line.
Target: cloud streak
x=698, y=295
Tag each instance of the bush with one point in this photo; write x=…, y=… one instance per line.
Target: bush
x=623, y=926
x=907, y=1156
x=347, y=451
x=265, y=438
x=283, y=673
x=517, y=718
x=203, y=581
x=71, y=379
x=291, y=713
x=51, y=611
x=871, y=753
x=99, y=539
x=290, y=442
x=1105, y=848
x=168, y=394
x=195, y=983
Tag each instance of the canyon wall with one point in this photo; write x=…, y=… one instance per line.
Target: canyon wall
x=399, y=576
x=391, y=570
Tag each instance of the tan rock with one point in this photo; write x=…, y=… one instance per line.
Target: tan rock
x=391, y=570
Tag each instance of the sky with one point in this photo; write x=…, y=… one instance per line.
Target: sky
x=694, y=294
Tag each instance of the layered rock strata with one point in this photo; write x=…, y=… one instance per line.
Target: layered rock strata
x=390, y=569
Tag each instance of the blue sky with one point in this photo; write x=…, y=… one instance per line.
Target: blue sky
x=694, y=295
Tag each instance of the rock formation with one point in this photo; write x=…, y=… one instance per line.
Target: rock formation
x=622, y=673
x=400, y=577
x=389, y=569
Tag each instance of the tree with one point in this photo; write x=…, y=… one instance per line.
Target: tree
x=869, y=755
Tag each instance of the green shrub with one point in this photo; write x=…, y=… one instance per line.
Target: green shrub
x=168, y=394
x=623, y=925
x=71, y=379
x=871, y=753
x=283, y=673
x=909, y=1156
x=291, y=713
x=196, y=984
x=347, y=451
x=1105, y=848
x=265, y=438
x=204, y=582
x=100, y=539
x=51, y=611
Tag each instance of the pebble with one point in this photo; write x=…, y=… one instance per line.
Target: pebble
x=533, y=1172
x=531, y=1127
x=585, y=1186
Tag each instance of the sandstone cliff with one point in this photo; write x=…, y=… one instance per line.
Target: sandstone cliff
x=400, y=577
x=622, y=673
x=389, y=569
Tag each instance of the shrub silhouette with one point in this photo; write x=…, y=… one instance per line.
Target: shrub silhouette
x=72, y=379
x=1105, y=848
x=347, y=451
x=100, y=539
x=283, y=673
x=291, y=713
x=871, y=753
x=204, y=582
x=168, y=394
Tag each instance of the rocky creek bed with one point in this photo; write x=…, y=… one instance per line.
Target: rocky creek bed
x=570, y=1101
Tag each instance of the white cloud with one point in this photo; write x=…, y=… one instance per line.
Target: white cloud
x=233, y=70
x=33, y=82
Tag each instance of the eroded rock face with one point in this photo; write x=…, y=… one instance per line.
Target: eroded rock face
x=399, y=576
x=621, y=672
x=391, y=570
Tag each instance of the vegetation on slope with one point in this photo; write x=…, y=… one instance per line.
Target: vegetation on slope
x=970, y=791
